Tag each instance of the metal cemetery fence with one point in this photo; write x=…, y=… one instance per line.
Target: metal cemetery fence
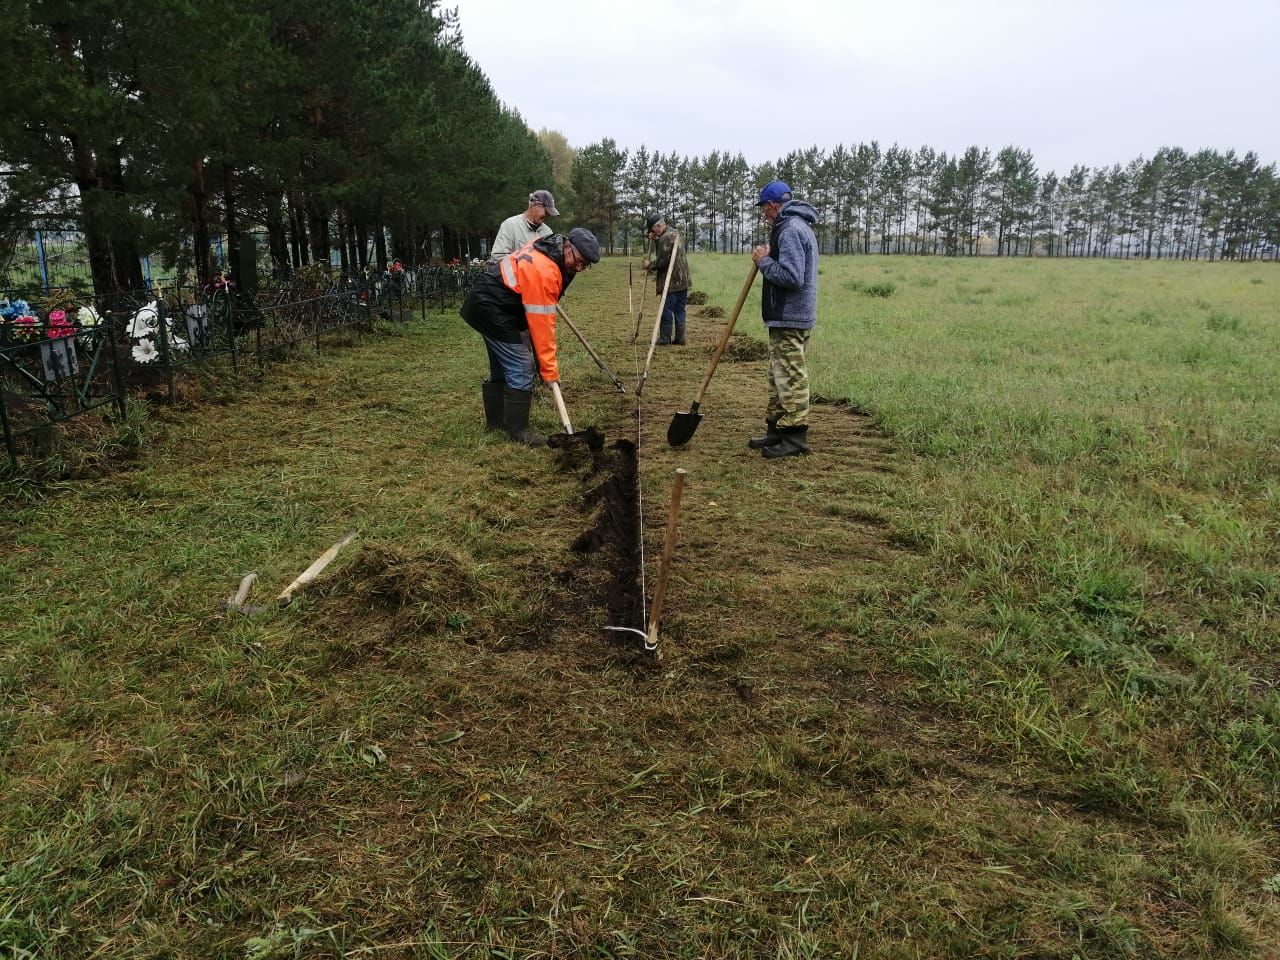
x=439, y=284
x=54, y=371
x=63, y=354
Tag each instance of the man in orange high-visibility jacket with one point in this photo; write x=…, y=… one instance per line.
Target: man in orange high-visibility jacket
x=513, y=306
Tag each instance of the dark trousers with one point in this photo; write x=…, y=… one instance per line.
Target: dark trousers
x=673, y=316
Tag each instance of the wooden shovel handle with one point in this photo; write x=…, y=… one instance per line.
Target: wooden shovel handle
x=657, y=317
x=604, y=367
x=668, y=551
x=728, y=331
x=644, y=287
x=313, y=571
x=560, y=407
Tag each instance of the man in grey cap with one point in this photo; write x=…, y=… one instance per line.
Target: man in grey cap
x=525, y=227
x=666, y=244
x=513, y=307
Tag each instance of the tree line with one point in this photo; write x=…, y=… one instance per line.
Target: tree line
x=151, y=125
x=1177, y=205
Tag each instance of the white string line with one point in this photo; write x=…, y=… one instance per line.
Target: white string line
x=644, y=596
x=641, y=633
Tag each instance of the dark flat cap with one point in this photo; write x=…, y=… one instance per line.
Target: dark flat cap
x=585, y=242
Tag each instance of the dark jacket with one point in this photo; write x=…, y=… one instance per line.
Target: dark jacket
x=664, y=247
x=519, y=293
x=790, y=295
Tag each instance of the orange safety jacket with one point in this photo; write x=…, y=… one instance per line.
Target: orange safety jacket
x=539, y=282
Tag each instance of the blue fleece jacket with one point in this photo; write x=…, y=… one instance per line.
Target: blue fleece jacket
x=790, y=296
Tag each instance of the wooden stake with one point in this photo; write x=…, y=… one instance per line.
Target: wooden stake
x=668, y=551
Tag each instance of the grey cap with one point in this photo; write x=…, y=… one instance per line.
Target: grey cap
x=545, y=198
x=585, y=242
x=652, y=220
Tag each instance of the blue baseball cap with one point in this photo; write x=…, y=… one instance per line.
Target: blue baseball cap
x=774, y=192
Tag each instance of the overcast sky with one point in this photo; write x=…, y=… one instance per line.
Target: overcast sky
x=1073, y=81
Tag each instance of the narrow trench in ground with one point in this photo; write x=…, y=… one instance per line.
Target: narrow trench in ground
x=614, y=536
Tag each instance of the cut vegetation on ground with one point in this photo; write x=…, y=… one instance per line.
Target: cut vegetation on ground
x=992, y=673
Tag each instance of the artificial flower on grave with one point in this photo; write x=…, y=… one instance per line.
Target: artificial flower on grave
x=146, y=321
x=87, y=317
x=17, y=323
x=12, y=309
x=23, y=328
x=221, y=283
x=60, y=326
x=145, y=350
x=144, y=330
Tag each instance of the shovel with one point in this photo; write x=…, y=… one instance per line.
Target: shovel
x=683, y=425
x=590, y=437
x=237, y=603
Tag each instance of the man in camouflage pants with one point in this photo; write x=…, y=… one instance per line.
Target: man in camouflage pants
x=789, y=305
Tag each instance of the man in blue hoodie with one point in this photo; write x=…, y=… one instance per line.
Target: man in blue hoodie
x=789, y=305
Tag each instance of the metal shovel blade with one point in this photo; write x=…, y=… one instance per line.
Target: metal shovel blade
x=683, y=426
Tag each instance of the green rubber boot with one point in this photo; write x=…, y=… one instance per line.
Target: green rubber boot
x=493, y=405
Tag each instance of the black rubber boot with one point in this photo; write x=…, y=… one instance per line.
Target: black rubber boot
x=493, y=405
x=515, y=417
x=770, y=437
x=679, y=338
x=794, y=443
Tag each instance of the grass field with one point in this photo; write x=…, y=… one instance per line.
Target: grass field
x=994, y=673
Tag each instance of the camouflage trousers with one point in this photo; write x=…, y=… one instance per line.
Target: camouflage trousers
x=788, y=378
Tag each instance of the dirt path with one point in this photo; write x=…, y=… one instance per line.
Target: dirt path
x=755, y=535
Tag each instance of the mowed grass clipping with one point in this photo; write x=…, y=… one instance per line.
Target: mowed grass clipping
x=993, y=673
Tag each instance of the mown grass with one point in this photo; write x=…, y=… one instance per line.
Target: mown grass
x=995, y=681
x=1096, y=474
